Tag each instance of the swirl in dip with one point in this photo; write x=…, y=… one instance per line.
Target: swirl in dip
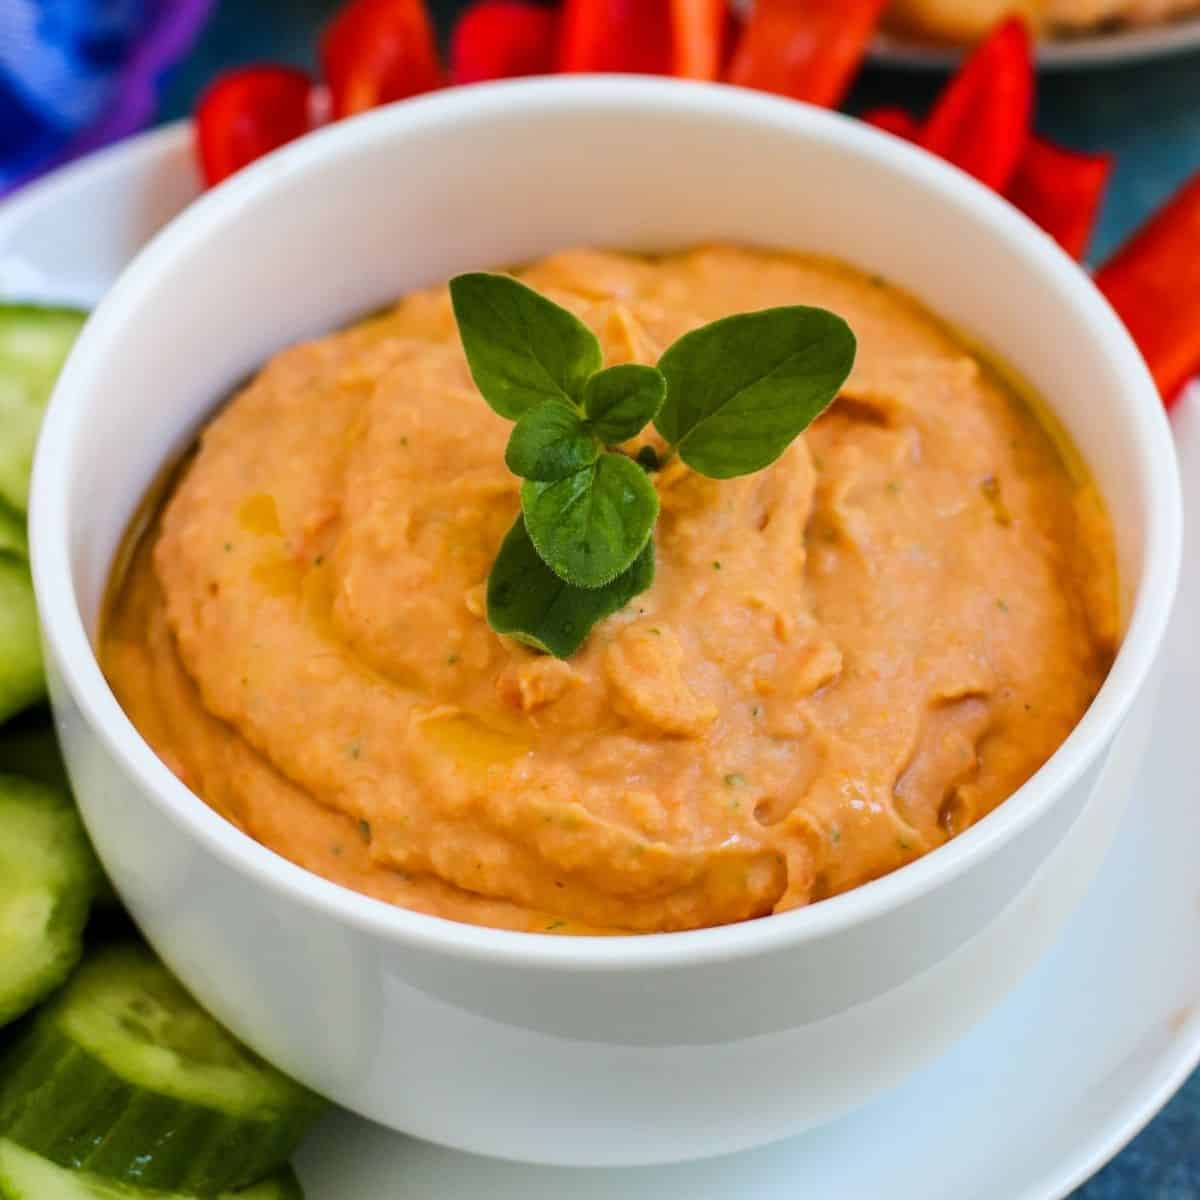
x=843, y=661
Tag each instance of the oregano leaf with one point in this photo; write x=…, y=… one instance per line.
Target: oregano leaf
x=740, y=390
x=550, y=442
x=527, y=601
x=589, y=527
x=621, y=401
x=522, y=349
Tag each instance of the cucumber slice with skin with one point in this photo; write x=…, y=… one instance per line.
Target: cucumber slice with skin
x=124, y=1076
x=48, y=874
x=34, y=343
x=26, y=1176
x=29, y=748
x=22, y=680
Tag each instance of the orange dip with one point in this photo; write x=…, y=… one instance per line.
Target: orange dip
x=844, y=660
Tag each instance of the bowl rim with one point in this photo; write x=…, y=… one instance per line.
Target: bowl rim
x=67, y=642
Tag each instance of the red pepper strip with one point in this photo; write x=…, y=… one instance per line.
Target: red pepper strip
x=377, y=51
x=1062, y=191
x=1153, y=282
x=807, y=49
x=897, y=121
x=698, y=38
x=981, y=121
x=616, y=35
x=501, y=39
x=248, y=113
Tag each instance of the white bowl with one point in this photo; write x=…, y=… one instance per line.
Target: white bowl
x=581, y=1051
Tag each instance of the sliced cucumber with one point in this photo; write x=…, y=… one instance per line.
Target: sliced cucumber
x=47, y=876
x=29, y=748
x=34, y=343
x=123, y=1075
x=22, y=681
x=26, y=1176
x=13, y=540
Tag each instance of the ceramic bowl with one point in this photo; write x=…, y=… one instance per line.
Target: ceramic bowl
x=581, y=1051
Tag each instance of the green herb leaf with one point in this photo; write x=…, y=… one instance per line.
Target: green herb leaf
x=551, y=442
x=522, y=348
x=729, y=398
x=621, y=401
x=589, y=527
x=527, y=601
x=740, y=390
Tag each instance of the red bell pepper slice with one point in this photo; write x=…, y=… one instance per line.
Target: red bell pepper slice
x=981, y=121
x=1062, y=191
x=616, y=35
x=652, y=37
x=377, y=51
x=248, y=113
x=897, y=121
x=1153, y=282
x=807, y=49
x=502, y=39
x=698, y=29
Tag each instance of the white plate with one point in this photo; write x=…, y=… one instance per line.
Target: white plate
x=1092, y=50
x=1024, y=1108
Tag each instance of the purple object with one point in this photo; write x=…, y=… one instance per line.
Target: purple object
x=78, y=74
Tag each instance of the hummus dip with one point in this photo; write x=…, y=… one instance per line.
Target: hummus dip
x=843, y=661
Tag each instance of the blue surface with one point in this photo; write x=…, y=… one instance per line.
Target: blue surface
x=1148, y=115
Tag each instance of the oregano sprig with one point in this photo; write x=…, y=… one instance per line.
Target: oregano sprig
x=588, y=510
x=729, y=398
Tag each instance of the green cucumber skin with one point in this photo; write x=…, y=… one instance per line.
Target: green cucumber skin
x=59, y=1102
x=26, y=1176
